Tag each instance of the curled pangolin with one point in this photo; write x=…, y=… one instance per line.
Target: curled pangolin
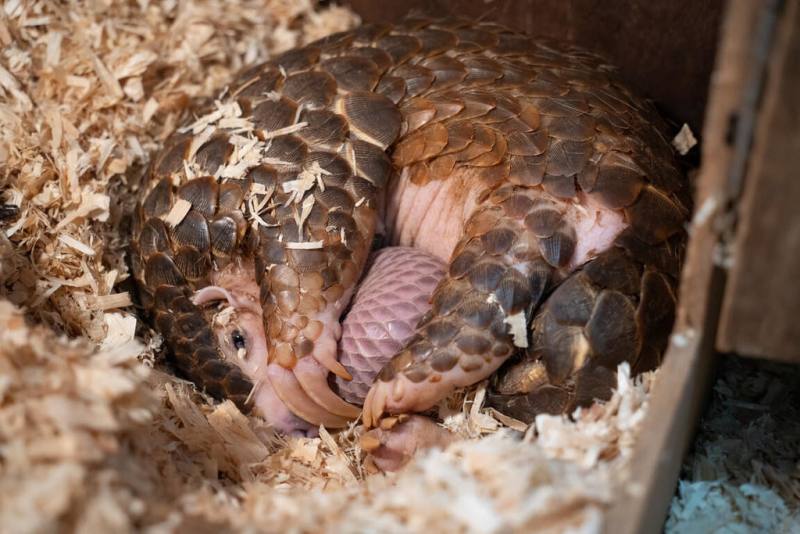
x=547, y=187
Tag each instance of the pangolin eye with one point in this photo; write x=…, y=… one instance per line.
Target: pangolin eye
x=238, y=339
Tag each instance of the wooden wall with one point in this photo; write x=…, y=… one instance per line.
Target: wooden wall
x=665, y=48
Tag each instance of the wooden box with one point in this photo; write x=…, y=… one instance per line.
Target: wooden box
x=730, y=71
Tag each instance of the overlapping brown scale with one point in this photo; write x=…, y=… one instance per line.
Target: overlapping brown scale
x=372, y=163
x=161, y=270
x=352, y=73
x=264, y=80
x=505, y=108
x=154, y=237
x=510, y=44
x=231, y=196
x=324, y=128
x=337, y=169
x=567, y=158
x=525, y=406
x=493, y=157
x=543, y=220
x=447, y=105
x=526, y=170
x=568, y=105
x=171, y=159
x=272, y=115
x=421, y=145
x=417, y=112
x=372, y=116
x=523, y=143
x=447, y=71
x=333, y=197
x=194, y=264
x=656, y=311
x=459, y=136
x=594, y=382
x=563, y=348
x=201, y=193
x=435, y=41
x=368, y=33
x=287, y=149
x=614, y=270
x=483, y=141
x=400, y=47
x=474, y=39
x=559, y=247
x=223, y=236
x=381, y=59
x=334, y=43
x=417, y=79
x=297, y=59
x=665, y=257
x=158, y=201
x=616, y=185
x=481, y=70
x=559, y=186
x=654, y=216
x=314, y=89
x=476, y=106
x=574, y=128
x=213, y=154
x=264, y=175
x=192, y=231
x=392, y=87
x=612, y=331
x=514, y=292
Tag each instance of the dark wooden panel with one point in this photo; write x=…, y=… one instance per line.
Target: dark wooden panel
x=761, y=314
x=664, y=48
x=685, y=377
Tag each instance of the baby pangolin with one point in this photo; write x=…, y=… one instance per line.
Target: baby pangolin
x=547, y=187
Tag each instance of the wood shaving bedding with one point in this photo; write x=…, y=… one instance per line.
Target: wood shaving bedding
x=93, y=437
x=744, y=471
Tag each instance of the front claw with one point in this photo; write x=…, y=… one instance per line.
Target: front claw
x=313, y=378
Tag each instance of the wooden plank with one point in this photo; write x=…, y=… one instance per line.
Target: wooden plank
x=762, y=297
x=665, y=49
x=684, y=378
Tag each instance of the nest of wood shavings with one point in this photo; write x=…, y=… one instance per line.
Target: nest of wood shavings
x=92, y=436
x=744, y=472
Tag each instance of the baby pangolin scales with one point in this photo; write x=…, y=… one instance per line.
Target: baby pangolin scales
x=548, y=188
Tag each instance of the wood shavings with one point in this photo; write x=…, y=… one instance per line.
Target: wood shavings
x=743, y=475
x=685, y=140
x=110, y=443
x=77, y=245
x=110, y=302
x=178, y=212
x=304, y=245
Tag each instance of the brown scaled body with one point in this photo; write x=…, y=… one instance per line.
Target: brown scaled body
x=294, y=167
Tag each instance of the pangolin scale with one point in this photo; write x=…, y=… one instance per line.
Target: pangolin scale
x=547, y=186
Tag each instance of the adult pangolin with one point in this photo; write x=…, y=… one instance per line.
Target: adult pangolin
x=548, y=189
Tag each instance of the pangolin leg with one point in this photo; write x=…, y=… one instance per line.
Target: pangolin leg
x=288, y=389
x=618, y=307
x=498, y=273
x=397, y=439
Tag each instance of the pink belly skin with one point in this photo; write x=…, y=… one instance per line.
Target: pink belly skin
x=392, y=297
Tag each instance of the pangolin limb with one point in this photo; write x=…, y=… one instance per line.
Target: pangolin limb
x=548, y=187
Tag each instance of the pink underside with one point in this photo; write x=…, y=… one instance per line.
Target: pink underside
x=425, y=217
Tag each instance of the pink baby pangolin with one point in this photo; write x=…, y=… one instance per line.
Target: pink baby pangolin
x=547, y=188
